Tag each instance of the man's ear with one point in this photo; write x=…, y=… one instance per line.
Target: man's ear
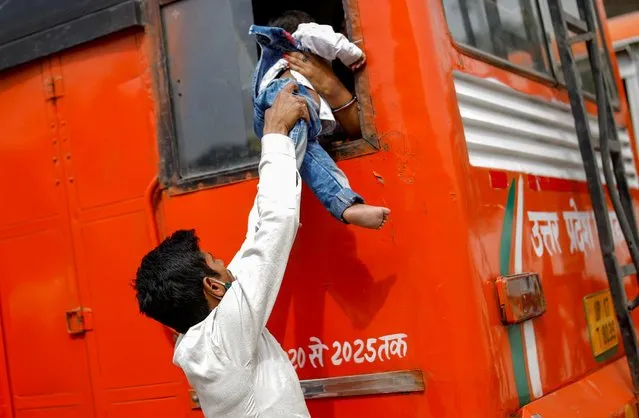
x=213, y=289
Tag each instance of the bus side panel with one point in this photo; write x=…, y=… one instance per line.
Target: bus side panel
x=107, y=136
x=46, y=366
x=411, y=282
x=555, y=349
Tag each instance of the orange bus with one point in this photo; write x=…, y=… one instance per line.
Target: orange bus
x=484, y=296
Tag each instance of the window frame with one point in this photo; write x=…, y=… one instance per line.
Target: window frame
x=168, y=147
x=550, y=78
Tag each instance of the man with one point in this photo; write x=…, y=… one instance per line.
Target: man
x=236, y=366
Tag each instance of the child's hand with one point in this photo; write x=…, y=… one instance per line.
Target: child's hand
x=359, y=63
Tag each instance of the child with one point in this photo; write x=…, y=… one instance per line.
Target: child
x=317, y=169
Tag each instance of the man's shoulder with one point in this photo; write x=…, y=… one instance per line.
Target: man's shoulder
x=196, y=345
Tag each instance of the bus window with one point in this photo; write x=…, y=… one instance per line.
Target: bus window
x=510, y=30
x=627, y=59
x=579, y=51
x=210, y=59
x=518, y=32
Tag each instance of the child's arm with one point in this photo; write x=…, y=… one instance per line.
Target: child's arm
x=323, y=41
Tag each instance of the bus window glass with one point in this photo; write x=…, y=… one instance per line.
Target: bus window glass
x=210, y=61
x=508, y=29
x=578, y=49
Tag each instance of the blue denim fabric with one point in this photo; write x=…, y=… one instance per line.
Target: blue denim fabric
x=273, y=42
x=318, y=170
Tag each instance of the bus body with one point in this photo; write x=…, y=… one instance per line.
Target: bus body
x=130, y=120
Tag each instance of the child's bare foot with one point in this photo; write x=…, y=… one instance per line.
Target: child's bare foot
x=366, y=216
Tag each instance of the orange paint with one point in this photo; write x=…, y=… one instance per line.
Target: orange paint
x=82, y=214
x=624, y=27
x=604, y=393
x=75, y=235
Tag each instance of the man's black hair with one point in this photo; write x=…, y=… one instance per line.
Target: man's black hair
x=169, y=282
x=290, y=20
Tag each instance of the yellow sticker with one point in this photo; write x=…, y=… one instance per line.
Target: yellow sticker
x=602, y=323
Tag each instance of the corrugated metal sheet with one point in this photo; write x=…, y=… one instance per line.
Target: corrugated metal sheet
x=508, y=130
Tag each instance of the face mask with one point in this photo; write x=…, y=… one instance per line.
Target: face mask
x=226, y=285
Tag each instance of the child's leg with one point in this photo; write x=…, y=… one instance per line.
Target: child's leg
x=316, y=167
x=327, y=181
x=331, y=187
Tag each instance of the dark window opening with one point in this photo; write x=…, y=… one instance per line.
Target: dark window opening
x=620, y=7
x=210, y=60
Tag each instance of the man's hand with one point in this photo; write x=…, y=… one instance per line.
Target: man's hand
x=287, y=109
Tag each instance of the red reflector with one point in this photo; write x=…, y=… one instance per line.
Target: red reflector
x=533, y=183
x=498, y=179
x=520, y=297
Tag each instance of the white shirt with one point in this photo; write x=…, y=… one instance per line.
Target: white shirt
x=236, y=366
x=321, y=40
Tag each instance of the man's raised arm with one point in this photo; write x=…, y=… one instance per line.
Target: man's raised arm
x=259, y=267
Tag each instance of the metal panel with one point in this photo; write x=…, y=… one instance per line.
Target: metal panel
x=366, y=384
x=404, y=381
x=34, y=220
x=70, y=34
x=508, y=130
x=107, y=147
x=19, y=18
